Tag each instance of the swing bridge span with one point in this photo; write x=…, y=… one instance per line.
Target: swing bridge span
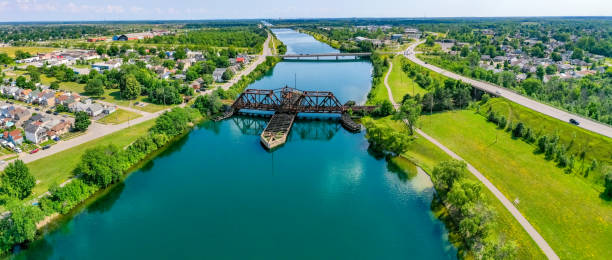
x=286, y=103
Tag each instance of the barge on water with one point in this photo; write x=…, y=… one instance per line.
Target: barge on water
x=287, y=103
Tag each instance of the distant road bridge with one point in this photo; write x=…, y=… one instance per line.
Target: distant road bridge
x=319, y=55
x=287, y=103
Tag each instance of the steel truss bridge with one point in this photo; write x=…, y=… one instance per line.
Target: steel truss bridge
x=290, y=100
x=287, y=102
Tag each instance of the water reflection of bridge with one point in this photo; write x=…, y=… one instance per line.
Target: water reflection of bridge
x=308, y=130
x=286, y=103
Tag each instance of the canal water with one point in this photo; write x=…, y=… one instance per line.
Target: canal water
x=218, y=194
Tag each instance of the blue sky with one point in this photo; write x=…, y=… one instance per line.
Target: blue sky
x=70, y=10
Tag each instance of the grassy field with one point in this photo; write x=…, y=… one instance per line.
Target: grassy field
x=426, y=155
x=400, y=83
x=118, y=117
x=575, y=138
x=58, y=167
x=32, y=50
x=396, y=47
x=566, y=211
x=110, y=95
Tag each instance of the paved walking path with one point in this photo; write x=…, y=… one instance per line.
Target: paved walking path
x=548, y=251
x=97, y=130
x=527, y=102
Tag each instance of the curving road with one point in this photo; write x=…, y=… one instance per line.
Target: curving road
x=533, y=233
x=548, y=110
x=97, y=130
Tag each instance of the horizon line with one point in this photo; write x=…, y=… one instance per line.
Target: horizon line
x=301, y=18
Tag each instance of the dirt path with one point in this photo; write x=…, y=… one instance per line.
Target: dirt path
x=548, y=251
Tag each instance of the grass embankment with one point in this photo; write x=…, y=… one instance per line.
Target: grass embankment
x=10, y=51
x=575, y=139
x=322, y=38
x=58, y=167
x=427, y=155
x=566, y=211
x=118, y=117
x=400, y=83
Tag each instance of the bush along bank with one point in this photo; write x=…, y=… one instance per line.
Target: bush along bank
x=246, y=80
x=459, y=202
x=99, y=168
x=468, y=216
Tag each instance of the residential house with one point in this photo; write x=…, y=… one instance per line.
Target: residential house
x=35, y=132
x=14, y=136
x=197, y=84
x=218, y=74
x=62, y=127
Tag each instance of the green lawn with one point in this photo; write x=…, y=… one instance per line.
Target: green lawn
x=396, y=47
x=427, y=155
x=110, y=95
x=118, y=117
x=577, y=139
x=58, y=167
x=566, y=211
x=400, y=83
x=32, y=50
x=68, y=86
x=48, y=142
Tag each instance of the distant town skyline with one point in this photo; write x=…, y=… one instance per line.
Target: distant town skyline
x=81, y=10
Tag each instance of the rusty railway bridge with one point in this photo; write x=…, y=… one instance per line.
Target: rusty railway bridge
x=286, y=103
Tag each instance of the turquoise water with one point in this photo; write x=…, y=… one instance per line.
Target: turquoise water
x=218, y=194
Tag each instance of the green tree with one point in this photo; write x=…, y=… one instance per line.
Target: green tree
x=169, y=64
x=577, y=54
x=430, y=41
x=101, y=49
x=35, y=76
x=551, y=69
x=540, y=72
x=446, y=173
x=21, y=82
x=555, y=56
x=131, y=88
x=19, y=226
x=5, y=59
x=208, y=104
x=95, y=86
x=82, y=121
x=518, y=130
x=531, y=86
x=180, y=54
x=113, y=50
x=228, y=74
x=17, y=180
x=101, y=165
x=608, y=184
x=409, y=112
x=54, y=85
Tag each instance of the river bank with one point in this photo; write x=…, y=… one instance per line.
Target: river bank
x=217, y=190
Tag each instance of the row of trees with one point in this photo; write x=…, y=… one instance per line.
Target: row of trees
x=548, y=145
x=99, y=167
x=242, y=37
x=465, y=202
